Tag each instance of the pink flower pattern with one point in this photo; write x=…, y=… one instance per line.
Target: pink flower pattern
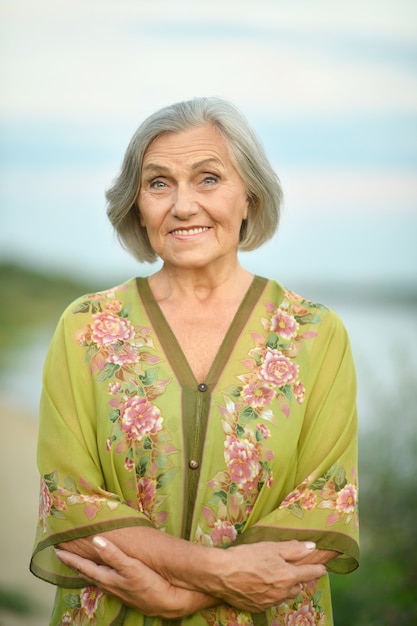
x=120, y=356
x=83, y=607
x=277, y=369
x=309, y=500
x=341, y=497
x=273, y=376
x=242, y=461
x=113, y=306
x=139, y=418
x=89, y=598
x=303, y=616
x=45, y=502
x=263, y=431
x=114, y=388
x=346, y=500
x=299, y=391
x=146, y=493
x=329, y=491
x=258, y=394
x=118, y=351
x=223, y=533
x=108, y=328
x=304, y=610
x=284, y=324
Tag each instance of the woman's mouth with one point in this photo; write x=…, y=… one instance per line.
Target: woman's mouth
x=189, y=231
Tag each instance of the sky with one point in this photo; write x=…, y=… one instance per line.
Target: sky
x=330, y=87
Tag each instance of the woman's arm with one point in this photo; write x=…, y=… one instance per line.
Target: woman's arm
x=249, y=577
x=135, y=584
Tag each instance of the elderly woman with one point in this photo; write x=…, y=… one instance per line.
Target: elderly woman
x=198, y=431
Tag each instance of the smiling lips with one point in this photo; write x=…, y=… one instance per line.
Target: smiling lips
x=189, y=231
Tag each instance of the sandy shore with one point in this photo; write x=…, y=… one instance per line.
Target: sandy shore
x=19, y=506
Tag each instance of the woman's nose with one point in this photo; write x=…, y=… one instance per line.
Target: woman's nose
x=185, y=203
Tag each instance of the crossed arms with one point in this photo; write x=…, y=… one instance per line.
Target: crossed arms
x=160, y=575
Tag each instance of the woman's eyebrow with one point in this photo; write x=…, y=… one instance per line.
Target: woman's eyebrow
x=203, y=162
x=162, y=169
x=155, y=167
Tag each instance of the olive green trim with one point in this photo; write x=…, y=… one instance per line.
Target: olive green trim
x=168, y=340
x=235, y=329
x=93, y=529
x=56, y=579
x=76, y=533
x=196, y=404
x=347, y=562
x=195, y=410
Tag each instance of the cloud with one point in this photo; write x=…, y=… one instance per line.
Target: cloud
x=103, y=59
x=330, y=191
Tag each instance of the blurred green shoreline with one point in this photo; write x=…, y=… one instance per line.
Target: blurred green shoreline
x=34, y=298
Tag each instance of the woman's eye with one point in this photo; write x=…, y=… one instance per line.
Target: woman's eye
x=210, y=179
x=157, y=184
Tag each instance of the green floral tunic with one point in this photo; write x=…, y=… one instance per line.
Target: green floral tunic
x=264, y=450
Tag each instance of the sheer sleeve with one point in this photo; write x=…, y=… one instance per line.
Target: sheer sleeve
x=79, y=484
x=323, y=504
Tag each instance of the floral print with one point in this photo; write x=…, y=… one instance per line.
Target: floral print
x=119, y=351
x=242, y=460
x=83, y=607
x=283, y=324
x=276, y=369
x=108, y=329
x=329, y=491
x=274, y=375
x=59, y=493
x=227, y=616
x=273, y=367
x=51, y=500
x=304, y=610
x=114, y=347
x=257, y=394
x=139, y=418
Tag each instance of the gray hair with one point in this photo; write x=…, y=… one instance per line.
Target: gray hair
x=262, y=184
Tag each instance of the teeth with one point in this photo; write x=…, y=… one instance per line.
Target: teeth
x=189, y=231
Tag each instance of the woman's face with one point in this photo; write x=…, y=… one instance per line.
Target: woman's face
x=192, y=200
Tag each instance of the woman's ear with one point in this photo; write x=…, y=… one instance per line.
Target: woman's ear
x=141, y=222
x=243, y=230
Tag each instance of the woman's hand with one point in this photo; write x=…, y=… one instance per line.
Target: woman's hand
x=135, y=584
x=257, y=576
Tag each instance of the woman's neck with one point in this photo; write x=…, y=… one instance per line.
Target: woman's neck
x=200, y=285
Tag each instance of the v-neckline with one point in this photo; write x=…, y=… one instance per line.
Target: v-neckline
x=171, y=345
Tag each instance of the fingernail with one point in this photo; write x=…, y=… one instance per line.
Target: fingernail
x=310, y=545
x=99, y=542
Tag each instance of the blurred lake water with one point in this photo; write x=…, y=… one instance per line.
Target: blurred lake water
x=383, y=338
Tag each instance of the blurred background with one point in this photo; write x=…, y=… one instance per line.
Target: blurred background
x=331, y=89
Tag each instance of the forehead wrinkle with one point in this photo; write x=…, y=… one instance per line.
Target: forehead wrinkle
x=194, y=166
x=155, y=166
x=207, y=161
x=149, y=168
